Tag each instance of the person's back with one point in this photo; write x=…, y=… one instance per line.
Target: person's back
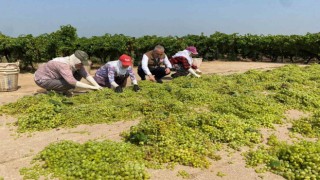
x=64, y=73
x=53, y=70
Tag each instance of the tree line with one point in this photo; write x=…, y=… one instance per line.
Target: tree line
x=36, y=49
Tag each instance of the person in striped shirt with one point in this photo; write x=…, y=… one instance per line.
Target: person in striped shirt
x=114, y=74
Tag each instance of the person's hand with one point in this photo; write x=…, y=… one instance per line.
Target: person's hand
x=167, y=70
x=118, y=89
x=151, y=78
x=97, y=87
x=136, y=88
x=198, y=71
x=193, y=73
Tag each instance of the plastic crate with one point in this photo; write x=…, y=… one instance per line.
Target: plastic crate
x=197, y=62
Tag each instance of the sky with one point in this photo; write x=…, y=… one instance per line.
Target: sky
x=137, y=18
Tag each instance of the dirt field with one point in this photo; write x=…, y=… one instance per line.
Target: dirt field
x=17, y=151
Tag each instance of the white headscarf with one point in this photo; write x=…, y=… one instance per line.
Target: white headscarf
x=71, y=60
x=118, y=67
x=186, y=54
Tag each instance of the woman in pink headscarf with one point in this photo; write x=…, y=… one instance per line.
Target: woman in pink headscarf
x=182, y=62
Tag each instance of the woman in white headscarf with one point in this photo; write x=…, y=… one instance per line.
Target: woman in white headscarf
x=64, y=73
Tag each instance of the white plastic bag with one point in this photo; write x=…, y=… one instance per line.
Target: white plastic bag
x=197, y=62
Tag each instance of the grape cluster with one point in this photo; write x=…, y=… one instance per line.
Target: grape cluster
x=309, y=126
x=92, y=160
x=297, y=161
x=184, y=174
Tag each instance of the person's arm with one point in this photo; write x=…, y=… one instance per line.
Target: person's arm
x=67, y=75
x=187, y=66
x=134, y=81
x=93, y=82
x=111, y=74
x=193, y=73
x=167, y=62
x=86, y=86
x=144, y=66
x=196, y=68
x=84, y=73
x=132, y=76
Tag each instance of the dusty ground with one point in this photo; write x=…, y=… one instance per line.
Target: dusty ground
x=17, y=151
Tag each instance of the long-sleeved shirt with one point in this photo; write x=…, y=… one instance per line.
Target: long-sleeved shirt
x=57, y=70
x=112, y=69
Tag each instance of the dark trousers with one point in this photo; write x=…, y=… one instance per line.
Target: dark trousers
x=120, y=80
x=180, y=71
x=158, y=72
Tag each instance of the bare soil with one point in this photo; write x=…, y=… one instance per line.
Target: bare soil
x=18, y=150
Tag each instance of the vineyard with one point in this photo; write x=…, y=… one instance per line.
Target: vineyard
x=186, y=121
x=63, y=42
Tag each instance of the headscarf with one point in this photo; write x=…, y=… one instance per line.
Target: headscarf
x=70, y=60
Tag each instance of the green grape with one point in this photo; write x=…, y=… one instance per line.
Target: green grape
x=92, y=160
x=221, y=174
x=184, y=174
x=297, y=161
